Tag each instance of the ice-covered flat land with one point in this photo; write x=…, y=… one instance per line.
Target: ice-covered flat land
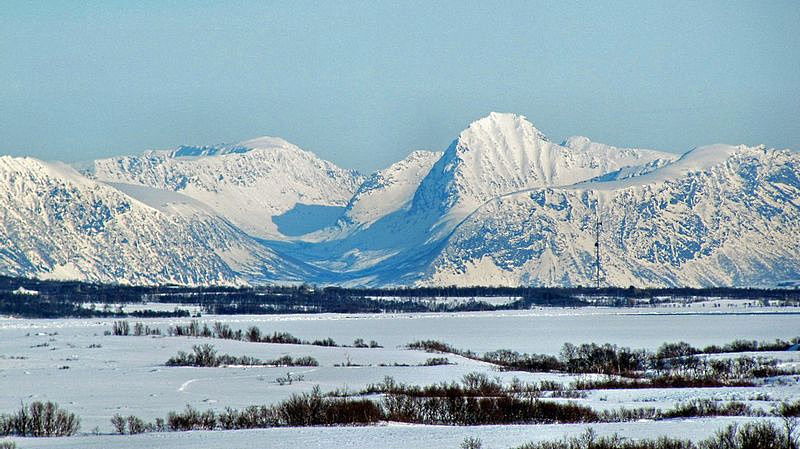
x=391, y=436
x=542, y=330
x=72, y=362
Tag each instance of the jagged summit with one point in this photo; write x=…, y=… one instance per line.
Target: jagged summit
x=206, y=150
x=504, y=153
x=699, y=159
x=265, y=143
x=576, y=141
x=250, y=183
x=504, y=131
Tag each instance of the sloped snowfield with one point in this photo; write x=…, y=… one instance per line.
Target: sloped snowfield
x=73, y=363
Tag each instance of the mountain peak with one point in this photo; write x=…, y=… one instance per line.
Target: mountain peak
x=703, y=157
x=232, y=180
x=576, y=142
x=259, y=143
x=206, y=150
x=266, y=142
x=500, y=126
x=504, y=153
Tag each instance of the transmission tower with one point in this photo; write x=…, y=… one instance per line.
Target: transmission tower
x=597, y=228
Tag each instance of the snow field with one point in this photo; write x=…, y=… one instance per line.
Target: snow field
x=126, y=374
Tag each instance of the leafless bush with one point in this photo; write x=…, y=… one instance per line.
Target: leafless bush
x=39, y=419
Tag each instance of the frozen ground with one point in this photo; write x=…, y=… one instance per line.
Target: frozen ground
x=391, y=436
x=126, y=374
x=541, y=330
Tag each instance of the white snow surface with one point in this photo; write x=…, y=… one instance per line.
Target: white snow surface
x=386, y=436
x=126, y=375
x=390, y=189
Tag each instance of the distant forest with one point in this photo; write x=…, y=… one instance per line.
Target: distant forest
x=25, y=297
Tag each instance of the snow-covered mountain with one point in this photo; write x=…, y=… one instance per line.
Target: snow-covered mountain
x=56, y=223
x=496, y=155
x=501, y=205
x=720, y=215
x=504, y=153
x=252, y=183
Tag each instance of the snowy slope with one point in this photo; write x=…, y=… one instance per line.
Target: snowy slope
x=496, y=155
x=390, y=189
x=55, y=223
x=720, y=215
x=649, y=161
x=504, y=153
x=249, y=183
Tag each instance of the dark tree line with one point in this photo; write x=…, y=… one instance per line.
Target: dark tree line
x=45, y=306
x=59, y=298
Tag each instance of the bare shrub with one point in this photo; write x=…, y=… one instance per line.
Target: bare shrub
x=120, y=328
x=40, y=419
x=471, y=443
x=118, y=423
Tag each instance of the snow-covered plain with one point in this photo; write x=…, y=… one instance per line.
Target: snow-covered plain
x=126, y=375
x=391, y=436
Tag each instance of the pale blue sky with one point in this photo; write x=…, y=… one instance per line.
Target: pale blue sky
x=364, y=83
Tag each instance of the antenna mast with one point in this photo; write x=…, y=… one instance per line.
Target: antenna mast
x=598, y=225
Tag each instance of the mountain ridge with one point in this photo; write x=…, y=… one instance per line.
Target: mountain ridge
x=562, y=223
x=502, y=204
x=232, y=179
